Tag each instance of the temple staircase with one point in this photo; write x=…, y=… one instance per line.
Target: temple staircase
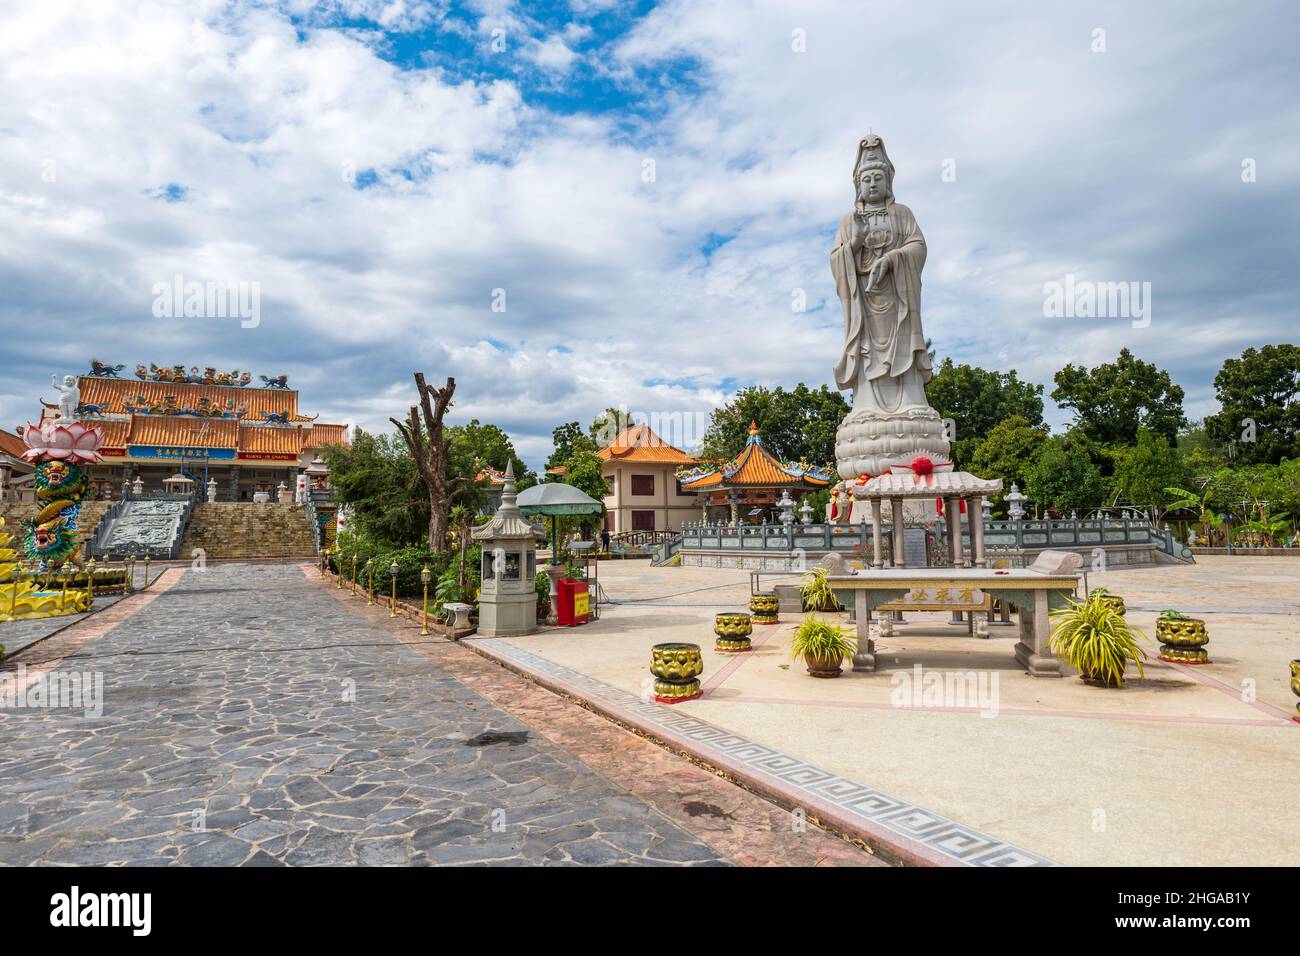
x=141, y=527
x=227, y=530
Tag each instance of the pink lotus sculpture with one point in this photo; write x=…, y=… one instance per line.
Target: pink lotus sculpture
x=56, y=441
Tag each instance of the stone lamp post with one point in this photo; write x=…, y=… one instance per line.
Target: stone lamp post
x=508, y=597
x=1015, y=502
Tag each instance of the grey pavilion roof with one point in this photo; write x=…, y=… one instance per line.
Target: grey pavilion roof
x=555, y=498
x=509, y=522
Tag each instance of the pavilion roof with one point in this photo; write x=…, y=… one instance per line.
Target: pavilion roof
x=935, y=485
x=755, y=467
x=187, y=431
x=11, y=444
x=114, y=395
x=271, y=440
x=321, y=434
x=639, y=443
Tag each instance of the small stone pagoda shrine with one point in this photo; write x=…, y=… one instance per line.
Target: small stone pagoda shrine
x=508, y=595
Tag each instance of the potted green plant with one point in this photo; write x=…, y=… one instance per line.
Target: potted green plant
x=823, y=645
x=1095, y=639
x=817, y=593
x=1114, y=600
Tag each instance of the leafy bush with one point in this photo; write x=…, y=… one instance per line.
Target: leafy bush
x=409, y=563
x=817, y=637
x=543, y=585
x=1093, y=637
x=817, y=593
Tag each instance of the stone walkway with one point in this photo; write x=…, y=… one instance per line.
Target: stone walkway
x=250, y=717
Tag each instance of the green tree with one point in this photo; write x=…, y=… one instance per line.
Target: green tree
x=377, y=479
x=583, y=471
x=1064, y=477
x=1008, y=451
x=1260, y=395
x=606, y=426
x=794, y=424
x=977, y=400
x=473, y=446
x=1112, y=401
x=1145, y=471
x=569, y=439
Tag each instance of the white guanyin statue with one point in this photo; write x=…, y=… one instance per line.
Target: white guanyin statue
x=877, y=261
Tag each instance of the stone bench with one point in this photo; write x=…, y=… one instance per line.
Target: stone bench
x=459, y=615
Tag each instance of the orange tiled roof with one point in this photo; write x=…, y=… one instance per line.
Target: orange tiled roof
x=319, y=435
x=11, y=444
x=755, y=467
x=639, y=443
x=187, y=432
x=111, y=394
x=116, y=434
x=271, y=441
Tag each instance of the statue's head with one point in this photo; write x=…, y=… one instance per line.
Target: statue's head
x=873, y=173
x=69, y=380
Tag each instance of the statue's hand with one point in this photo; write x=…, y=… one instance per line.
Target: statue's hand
x=879, y=269
x=857, y=233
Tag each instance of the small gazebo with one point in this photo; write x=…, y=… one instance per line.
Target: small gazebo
x=754, y=479
x=920, y=479
x=178, y=484
x=555, y=499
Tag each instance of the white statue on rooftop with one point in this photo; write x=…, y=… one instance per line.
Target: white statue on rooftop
x=69, y=396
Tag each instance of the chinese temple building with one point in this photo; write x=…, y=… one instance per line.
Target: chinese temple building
x=203, y=425
x=644, y=493
x=747, y=488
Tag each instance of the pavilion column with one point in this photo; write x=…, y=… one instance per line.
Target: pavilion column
x=877, y=538
x=952, y=514
x=896, y=506
x=975, y=509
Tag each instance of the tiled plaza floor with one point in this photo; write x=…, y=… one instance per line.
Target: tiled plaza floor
x=249, y=716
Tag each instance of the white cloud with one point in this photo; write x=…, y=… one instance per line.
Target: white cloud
x=1122, y=165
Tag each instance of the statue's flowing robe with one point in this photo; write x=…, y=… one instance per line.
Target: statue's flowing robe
x=890, y=344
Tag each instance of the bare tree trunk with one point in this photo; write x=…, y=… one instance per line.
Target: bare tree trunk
x=427, y=443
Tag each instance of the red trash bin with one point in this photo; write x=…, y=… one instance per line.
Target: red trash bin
x=573, y=602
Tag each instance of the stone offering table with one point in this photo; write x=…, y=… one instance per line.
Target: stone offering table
x=1034, y=591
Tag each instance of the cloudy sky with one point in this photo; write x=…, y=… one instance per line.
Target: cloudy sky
x=577, y=204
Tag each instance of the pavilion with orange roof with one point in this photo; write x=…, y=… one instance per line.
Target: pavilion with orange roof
x=640, y=469
x=750, y=485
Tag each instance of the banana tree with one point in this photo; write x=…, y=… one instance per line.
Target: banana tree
x=1268, y=528
x=1182, y=498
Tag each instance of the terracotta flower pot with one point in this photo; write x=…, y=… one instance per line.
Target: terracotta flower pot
x=824, y=666
x=1098, y=680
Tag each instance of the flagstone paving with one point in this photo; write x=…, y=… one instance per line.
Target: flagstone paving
x=250, y=717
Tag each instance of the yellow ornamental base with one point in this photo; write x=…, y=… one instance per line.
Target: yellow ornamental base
x=1182, y=641
x=765, y=608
